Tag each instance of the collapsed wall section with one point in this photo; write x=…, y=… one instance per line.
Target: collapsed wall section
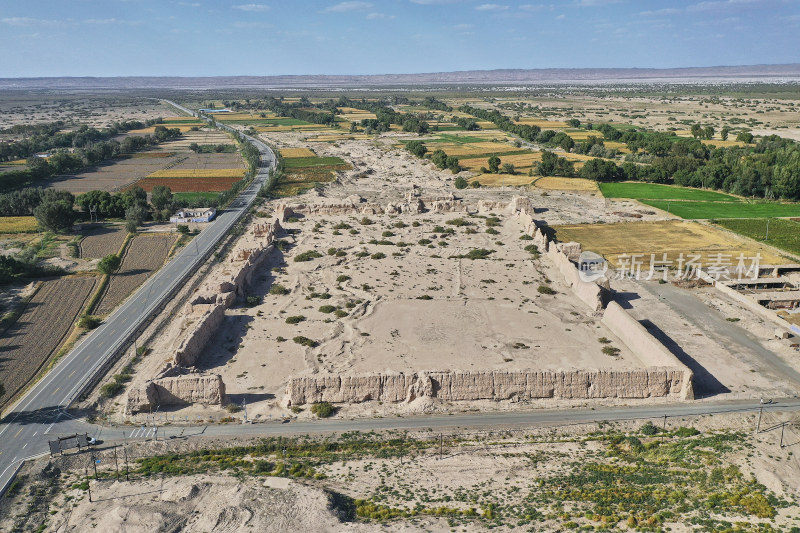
x=201, y=318
x=634, y=383
x=176, y=391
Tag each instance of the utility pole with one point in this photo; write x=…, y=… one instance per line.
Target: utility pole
x=782, y=426
x=244, y=405
x=441, y=445
x=127, y=470
x=766, y=237
x=664, y=430
x=94, y=462
x=88, y=482
x=116, y=464
x=758, y=424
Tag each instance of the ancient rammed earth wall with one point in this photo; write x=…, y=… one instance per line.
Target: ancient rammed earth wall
x=201, y=319
x=489, y=385
x=662, y=375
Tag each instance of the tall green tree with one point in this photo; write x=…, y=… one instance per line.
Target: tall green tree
x=55, y=215
x=161, y=197
x=494, y=164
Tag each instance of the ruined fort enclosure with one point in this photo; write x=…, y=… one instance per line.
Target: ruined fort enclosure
x=373, y=308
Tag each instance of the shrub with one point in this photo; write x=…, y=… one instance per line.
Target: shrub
x=89, y=322
x=183, y=229
x=304, y=341
x=459, y=222
x=478, y=253
x=610, y=350
x=461, y=183
x=366, y=221
x=308, y=255
x=109, y=390
x=332, y=251
x=340, y=313
x=109, y=264
x=342, y=278
x=278, y=289
x=323, y=409
x=533, y=249
x=685, y=432
x=387, y=233
x=648, y=429
x=378, y=255
x=525, y=237
x=296, y=319
x=252, y=301
x=544, y=289
x=327, y=309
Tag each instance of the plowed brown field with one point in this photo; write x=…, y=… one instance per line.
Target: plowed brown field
x=145, y=254
x=40, y=330
x=101, y=242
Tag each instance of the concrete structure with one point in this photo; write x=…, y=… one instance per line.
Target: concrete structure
x=199, y=214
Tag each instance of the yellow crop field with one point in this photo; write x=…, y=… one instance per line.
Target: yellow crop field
x=182, y=127
x=672, y=237
x=582, y=135
x=552, y=183
x=18, y=224
x=518, y=160
x=544, y=124
x=474, y=149
x=487, y=125
x=720, y=143
x=17, y=162
x=296, y=152
x=199, y=173
x=620, y=147
x=357, y=117
x=503, y=180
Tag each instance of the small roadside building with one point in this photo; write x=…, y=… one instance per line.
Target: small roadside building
x=199, y=214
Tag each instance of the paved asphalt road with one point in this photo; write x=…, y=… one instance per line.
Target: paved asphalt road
x=41, y=412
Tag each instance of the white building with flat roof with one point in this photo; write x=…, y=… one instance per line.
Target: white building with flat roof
x=199, y=214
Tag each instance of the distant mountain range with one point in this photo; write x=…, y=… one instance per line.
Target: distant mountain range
x=721, y=74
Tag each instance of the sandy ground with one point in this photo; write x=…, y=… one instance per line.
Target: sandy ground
x=503, y=468
x=482, y=314
x=18, y=107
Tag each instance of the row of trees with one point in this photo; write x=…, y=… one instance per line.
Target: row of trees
x=46, y=137
x=770, y=169
x=64, y=161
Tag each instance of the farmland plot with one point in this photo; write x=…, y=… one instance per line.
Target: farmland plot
x=40, y=330
x=145, y=255
x=102, y=241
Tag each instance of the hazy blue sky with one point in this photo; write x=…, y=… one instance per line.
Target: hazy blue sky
x=263, y=37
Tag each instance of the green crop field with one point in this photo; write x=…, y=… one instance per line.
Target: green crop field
x=266, y=121
x=704, y=210
x=783, y=233
x=195, y=197
x=311, y=162
x=651, y=191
